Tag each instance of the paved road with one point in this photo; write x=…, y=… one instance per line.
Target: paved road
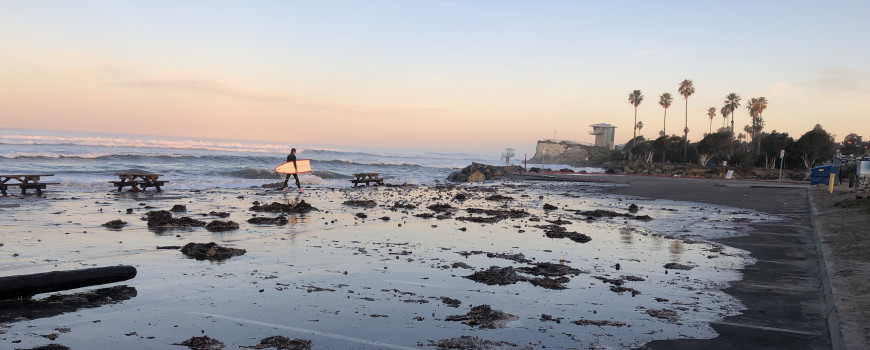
x=783, y=291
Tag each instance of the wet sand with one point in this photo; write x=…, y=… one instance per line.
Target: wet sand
x=808, y=289
x=399, y=274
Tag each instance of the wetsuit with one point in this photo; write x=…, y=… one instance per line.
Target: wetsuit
x=292, y=158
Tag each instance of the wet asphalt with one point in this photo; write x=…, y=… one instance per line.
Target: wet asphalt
x=783, y=291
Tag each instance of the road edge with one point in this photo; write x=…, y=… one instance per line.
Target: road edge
x=831, y=315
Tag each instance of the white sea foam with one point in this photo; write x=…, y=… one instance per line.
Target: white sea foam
x=84, y=157
x=144, y=142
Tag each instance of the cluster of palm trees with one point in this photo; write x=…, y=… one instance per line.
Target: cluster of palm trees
x=756, y=107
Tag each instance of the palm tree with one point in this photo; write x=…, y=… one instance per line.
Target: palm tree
x=756, y=106
x=749, y=132
x=711, y=112
x=635, y=98
x=665, y=100
x=686, y=89
x=724, y=113
x=638, y=126
x=732, y=102
x=750, y=106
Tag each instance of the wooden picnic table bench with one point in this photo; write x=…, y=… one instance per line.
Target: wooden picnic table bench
x=137, y=180
x=367, y=178
x=25, y=182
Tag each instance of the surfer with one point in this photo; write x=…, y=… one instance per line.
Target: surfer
x=292, y=158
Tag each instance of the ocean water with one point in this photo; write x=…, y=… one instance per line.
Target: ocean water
x=80, y=159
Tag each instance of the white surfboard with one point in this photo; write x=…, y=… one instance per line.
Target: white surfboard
x=302, y=166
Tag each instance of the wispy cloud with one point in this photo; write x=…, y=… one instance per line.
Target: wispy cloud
x=777, y=90
x=642, y=53
x=837, y=80
x=205, y=86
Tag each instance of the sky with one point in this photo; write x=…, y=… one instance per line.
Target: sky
x=470, y=76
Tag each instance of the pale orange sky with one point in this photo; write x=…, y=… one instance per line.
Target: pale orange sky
x=423, y=75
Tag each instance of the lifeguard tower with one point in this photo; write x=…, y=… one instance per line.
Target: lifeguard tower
x=604, y=135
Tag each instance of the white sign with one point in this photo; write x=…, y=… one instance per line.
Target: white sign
x=781, y=153
x=729, y=174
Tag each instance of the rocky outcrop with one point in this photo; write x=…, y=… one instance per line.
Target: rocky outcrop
x=479, y=172
x=210, y=251
x=694, y=170
x=476, y=176
x=667, y=169
x=566, y=152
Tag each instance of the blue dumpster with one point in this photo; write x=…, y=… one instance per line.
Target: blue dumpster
x=822, y=174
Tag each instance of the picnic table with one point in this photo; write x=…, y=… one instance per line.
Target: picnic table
x=367, y=178
x=24, y=182
x=136, y=180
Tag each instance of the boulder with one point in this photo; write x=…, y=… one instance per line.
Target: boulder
x=210, y=251
x=476, y=176
x=221, y=226
x=489, y=172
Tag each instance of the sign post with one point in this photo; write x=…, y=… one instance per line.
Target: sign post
x=781, y=159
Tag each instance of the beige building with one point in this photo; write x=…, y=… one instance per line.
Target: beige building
x=604, y=135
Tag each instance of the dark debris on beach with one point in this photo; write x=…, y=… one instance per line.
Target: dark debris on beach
x=275, y=207
x=361, y=203
x=601, y=213
x=495, y=275
x=678, y=266
x=50, y=347
x=283, y=343
x=498, y=197
x=502, y=276
x=402, y=206
x=115, y=224
x=665, y=314
x=440, y=207
x=222, y=226
x=599, y=323
x=574, y=236
x=164, y=219
x=202, y=343
x=467, y=342
x=210, y=251
x=262, y=220
x=484, y=317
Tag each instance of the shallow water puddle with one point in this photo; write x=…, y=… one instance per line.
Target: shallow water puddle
x=386, y=278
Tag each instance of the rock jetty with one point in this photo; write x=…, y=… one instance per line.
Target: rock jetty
x=477, y=172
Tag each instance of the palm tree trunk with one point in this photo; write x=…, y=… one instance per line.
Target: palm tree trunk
x=754, y=139
x=711, y=126
x=634, y=131
x=732, y=122
x=758, y=145
x=733, y=136
x=686, y=134
x=665, y=124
